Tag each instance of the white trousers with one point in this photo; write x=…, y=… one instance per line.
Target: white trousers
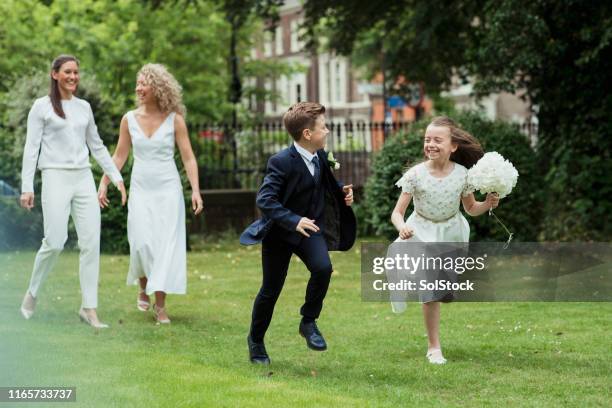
x=64, y=193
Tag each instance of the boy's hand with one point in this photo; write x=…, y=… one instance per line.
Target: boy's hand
x=306, y=224
x=348, y=194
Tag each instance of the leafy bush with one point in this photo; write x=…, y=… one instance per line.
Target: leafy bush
x=580, y=186
x=520, y=211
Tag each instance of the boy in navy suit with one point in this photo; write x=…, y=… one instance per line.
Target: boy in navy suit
x=305, y=212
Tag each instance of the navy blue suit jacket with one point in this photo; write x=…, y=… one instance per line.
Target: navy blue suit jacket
x=282, y=208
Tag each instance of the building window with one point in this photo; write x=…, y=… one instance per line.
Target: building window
x=267, y=44
x=298, y=91
x=278, y=39
x=339, y=88
x=276, y=95
x=268, y=105
x=296, y=33
x=252, y=102
x=329, y=81
x=249, y=97
x=281, y=88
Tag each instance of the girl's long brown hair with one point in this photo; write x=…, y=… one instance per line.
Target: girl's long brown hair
x=54, y=92
x=469, y=150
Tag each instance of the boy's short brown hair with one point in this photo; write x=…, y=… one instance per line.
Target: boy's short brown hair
x=300, y=116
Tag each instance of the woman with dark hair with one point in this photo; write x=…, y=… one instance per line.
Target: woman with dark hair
x=61, y=134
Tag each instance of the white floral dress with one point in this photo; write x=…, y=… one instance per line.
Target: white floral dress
x=436, y=216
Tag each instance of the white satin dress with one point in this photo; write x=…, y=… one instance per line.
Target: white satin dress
x=156, y=211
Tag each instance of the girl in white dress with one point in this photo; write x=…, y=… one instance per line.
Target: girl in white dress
x=438, y=185
x=156, y=207
x=61, y=135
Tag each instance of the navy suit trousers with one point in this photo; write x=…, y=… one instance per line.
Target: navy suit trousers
x=276, y=254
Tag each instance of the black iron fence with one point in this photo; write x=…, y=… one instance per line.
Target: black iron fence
x=236, y=157
x=528, y=129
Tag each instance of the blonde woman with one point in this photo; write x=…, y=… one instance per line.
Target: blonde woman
x=156, y=208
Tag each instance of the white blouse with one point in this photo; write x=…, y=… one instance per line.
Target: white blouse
x=58, y=143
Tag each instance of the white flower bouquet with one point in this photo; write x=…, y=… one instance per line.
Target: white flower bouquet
x=493, y=174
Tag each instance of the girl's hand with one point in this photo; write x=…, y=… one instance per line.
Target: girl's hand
x=492, y=200
x=102, y=198
x=27, y=200
x=406, y=232
x=197, y=204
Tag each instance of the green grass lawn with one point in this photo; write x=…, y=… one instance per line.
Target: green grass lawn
x=510, y=354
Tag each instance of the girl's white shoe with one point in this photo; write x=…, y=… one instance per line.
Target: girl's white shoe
x=435, y=356
x=28, y=305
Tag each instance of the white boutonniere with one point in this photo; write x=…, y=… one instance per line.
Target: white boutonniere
x=333, y=163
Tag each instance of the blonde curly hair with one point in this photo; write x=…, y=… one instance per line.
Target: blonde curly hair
x=166, y=88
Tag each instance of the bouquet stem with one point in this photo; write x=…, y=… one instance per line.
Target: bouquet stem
x=510, y=234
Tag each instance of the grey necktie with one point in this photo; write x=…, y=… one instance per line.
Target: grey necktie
x=317, y=171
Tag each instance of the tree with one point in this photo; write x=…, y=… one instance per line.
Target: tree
x=114, y=39
x=414, y=36
x=22, y=47
x=559, y=54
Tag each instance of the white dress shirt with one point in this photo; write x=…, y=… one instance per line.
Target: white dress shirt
x=307, y=156
x=57, y=143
